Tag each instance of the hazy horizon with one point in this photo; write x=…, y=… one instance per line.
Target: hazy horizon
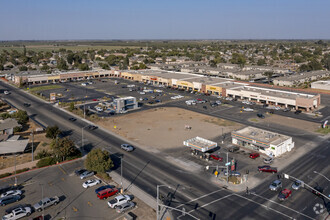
x=37, y=20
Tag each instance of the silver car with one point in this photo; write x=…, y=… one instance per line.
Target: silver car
x=86, y=174
x=268, y=160
x=275, y=185
x=127, y=147
x=297, y=184
x=124, y=207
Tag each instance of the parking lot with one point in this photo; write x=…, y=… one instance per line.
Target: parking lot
x=76, y=202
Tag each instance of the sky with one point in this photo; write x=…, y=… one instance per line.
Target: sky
x=164, y=19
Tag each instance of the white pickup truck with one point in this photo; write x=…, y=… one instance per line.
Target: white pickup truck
x=119, y=200
x=18, y=213
x=46, y=202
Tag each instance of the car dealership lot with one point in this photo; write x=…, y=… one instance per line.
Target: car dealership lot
x=75, y=201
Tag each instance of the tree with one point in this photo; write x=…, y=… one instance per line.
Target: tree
x=71, y=108
x=261, y=62
x=63, y=148
x=44, y=67
x=21, y=116
x=1, y=67
x=326, y=61
x=83, y=67
x=61, y=64
x=238, y=59
x=23, y=68
x=52, y=132
x=99, y=161
x=269, y=75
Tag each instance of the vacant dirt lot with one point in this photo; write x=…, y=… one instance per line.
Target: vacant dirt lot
x=163, y=128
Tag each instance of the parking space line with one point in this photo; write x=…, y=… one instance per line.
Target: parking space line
x=63, y=171
x=62, y=179
x=74, y=209
x=89, y=203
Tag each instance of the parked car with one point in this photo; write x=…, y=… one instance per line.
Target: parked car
x=232, y=148
x=27, y=104
x=204, y=107
x=107, y=193
x=92, y=127
x=11, y=193
x=45, y=203
x=286, y=110
x=248, y=109
x=297, y=185
x=86, y=174
x=254, y=155
x=260, y=115
x=275, y=185
x=18, y=213
x=317, y=190
x=267, y=169
x=9, y=199
x=79, y=172
x=119, y=200
x=127, y=147
x=297, y=112
x=124, y=207
x=6, y=92
x=268, y=160
x=103, y=188
x=284, y=194
x=216, y=157
x=92, y=182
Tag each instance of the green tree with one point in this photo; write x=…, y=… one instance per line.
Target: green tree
x=326, y=61
x=44, y=67
x=63, y=148
x=1, y=67
x=52, y=131
x=71, y=108
x=261, y=62
x=83, y=67
x=21, y=116
x=269, y=75
x=238, y=59
x=23, y=68
x=61, y=64
x=99, y=161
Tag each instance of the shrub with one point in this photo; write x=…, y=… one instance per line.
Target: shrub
x=5, y=175
x=17, y=129
x=46, y=162
x=22, y=170
x=43, y=154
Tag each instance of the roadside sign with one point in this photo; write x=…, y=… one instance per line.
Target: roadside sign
x=227, y=164
x=286, y=176
x=216, y=173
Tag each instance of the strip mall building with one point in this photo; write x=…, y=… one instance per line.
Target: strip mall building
x=190, y=82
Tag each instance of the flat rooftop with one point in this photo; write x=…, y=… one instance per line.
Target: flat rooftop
x=299, y=76
x=166, y=74
x=262, y=135
x=200, y=144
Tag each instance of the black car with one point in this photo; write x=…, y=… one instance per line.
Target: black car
x=260, y=115
x=9, y=199
x=79, y=172
x=92, y=127
x=317, y=190
x=27, y=104
x=232, y=148
x=151, y=102
x=204, y=107
x=72, y=119
x=297, y=112
x=103, y=188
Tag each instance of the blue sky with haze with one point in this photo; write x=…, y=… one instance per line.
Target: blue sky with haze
x=165, y=19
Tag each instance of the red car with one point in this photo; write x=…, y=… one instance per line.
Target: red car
x=216, y=157
x=254, y=155
x=107, y=193
x=267, y=169
x=284, y=194
x=95, y=100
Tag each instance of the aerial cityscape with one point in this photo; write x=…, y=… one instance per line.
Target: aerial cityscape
x=172, y=110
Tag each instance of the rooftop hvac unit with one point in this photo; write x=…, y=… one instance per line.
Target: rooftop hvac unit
x=253, y=133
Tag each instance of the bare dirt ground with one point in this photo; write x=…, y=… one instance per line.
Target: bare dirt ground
x=164, y=128
x=291, y=122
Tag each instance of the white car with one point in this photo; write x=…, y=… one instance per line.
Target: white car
x=6, y=92
x=92, y=182
x=99, y=109
x=142, y=93
x=119, y=200
x=84, y=84
x=277, y=108
x=248, y=109
x=11, y=193
x=18, y=213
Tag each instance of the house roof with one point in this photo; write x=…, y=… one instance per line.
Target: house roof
x=13, y=145
x=9, y=123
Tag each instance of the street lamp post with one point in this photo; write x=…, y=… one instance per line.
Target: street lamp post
x=15, y=172
x=121, y=174
x=82, y=136
x=42, y=197
x=321, y=175
x=32, y=145
x=158, y=186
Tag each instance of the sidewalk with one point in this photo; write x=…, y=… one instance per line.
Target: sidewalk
x=19, y=167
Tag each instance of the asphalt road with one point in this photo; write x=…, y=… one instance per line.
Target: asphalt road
x=146, y=170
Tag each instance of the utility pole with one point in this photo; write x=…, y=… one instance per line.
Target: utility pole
x=121, y=174
x=227, y=169
x=42, y=196
x=32, y=145
x=15, y=172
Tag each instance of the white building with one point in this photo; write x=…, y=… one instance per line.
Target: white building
x=124, y=104
x=263, y=141
x=325, y=85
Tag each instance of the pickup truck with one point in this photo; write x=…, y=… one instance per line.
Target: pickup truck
x=46, y=202
x=119, y=200
x=18, y=213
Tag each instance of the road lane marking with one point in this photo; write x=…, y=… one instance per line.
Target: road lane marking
x=74, y=209
x=199, y=198
x=89, y=203
x=282, y=205
x=62, y=179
